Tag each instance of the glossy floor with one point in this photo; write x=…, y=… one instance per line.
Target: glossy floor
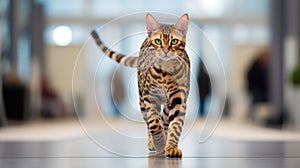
x=109, y=150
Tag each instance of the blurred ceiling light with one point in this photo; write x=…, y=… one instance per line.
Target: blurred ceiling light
x=211, y=7
x=62, y=35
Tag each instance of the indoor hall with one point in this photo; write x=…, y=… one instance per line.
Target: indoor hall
x=64, y=103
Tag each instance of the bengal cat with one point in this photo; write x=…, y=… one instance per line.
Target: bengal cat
x=163, y=81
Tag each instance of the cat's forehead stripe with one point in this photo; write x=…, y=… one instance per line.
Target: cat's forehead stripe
x=166, y=29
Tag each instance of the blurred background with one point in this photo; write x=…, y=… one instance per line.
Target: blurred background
x=40, y=40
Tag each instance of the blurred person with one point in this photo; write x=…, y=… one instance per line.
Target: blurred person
x=204, y=88
x=118, y=92
x=257, y=79
x=52, y=104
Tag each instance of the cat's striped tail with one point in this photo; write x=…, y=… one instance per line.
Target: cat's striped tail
x=118, y=57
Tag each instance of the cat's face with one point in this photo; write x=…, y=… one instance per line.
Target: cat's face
x=167, y=40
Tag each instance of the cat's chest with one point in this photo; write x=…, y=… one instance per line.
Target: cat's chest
x=162, y=64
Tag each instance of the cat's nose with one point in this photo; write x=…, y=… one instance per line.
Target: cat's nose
x=166, y=50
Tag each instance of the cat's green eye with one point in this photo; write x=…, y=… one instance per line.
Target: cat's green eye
x=174, y=41
x=158, y=41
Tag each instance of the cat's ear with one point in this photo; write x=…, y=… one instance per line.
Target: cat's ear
x=182, y=24
x=152, y=24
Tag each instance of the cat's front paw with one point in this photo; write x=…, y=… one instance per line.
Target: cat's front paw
x=173, y=152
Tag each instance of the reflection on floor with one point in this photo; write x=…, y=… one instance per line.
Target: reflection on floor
x=121, y=143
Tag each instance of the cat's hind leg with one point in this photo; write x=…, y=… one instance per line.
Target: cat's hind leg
x=156, y=134
x=150, y=142
x=165, y=119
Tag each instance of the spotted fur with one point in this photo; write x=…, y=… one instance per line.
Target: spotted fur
x=163, y=81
